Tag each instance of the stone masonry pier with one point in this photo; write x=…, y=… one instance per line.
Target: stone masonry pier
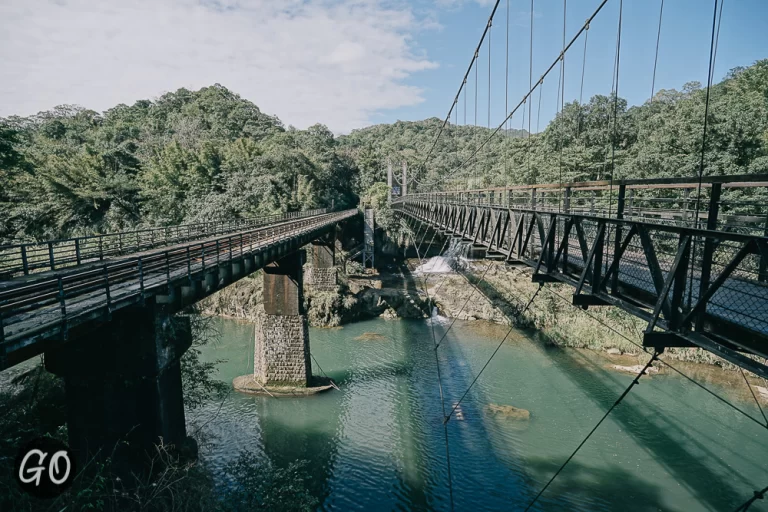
x=282, y=338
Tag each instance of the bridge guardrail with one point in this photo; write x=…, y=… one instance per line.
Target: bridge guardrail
x=687, y=281
x=739, y=203
x=61, y=301
x=27, y=258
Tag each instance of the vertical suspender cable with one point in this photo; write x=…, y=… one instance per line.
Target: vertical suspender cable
x=656, y=58
x=530, y=86
x=506, y=106
x=581, y=88
x=616, y=63
x=489, y=72
x=715, y=29
x=561, y=93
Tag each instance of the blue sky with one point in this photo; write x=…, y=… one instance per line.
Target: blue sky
x=683, y=51
x=349, y=63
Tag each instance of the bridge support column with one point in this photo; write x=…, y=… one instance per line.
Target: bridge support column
x=123, y=386
x=282, y=340
x=322, y=274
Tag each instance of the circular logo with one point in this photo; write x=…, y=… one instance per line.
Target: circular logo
x=44, y=467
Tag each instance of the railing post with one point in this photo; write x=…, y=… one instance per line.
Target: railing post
x=63, y=308
x=709, y=248
x=533, y=198
x=168, y=268
x=77, y=250
x=630, y=200
x=189, y=265
x=120, y=243
x=106, y=288
x=617, y=234
x=141, y=280
x=567, y=200
x=2, y=337
x=24, y=262
x=50, y=256
x=101, y=248
x=762, y=273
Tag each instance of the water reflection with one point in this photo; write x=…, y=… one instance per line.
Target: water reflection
x=378, y=444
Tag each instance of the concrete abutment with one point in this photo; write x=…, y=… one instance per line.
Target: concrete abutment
x=123, y=386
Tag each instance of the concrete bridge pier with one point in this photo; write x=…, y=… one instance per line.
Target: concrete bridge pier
x=322, y=274
x=282, y=340
x=281, y=355
x=123, y=386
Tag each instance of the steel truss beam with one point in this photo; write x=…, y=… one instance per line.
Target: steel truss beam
x=656, y=272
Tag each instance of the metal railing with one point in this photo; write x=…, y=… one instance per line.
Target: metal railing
x=28, y=258
x=704, y=285
x=52, y=304
x=737, y=203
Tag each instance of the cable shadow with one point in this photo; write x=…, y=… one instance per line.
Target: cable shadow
x=661, y=438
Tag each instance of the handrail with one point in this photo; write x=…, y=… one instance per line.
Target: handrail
x=60, y=300
x=26, y=258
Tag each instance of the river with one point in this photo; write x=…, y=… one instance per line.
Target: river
x=379, y=443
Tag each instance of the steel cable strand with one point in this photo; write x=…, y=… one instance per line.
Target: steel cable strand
x=665, y=363
x=754, y=396
x=712, y=52
x=634, y=382
x=758, y=495
x=511, y=328
x=524, y=100
x=440, y=386
x=471, y=293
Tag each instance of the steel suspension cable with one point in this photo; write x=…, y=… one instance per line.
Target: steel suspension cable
x=471, y=293
x=561, y=94
x=617, y=62
x=632, y=384
x=664, y=362
x=461, y=87
x=506, y=105
x=757, y=402
x=489, y=72
x=511, y=328
x=440, y=386
x=758, y=495
x=581, y=87
x=656, y=56
x=530, y=86
x=526, y=97
x=712, y=50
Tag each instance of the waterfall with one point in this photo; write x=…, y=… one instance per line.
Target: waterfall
x=454, y=258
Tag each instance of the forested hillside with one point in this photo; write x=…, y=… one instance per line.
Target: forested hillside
x=190, y=156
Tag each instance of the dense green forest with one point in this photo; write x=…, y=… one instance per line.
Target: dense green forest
x=196, y=155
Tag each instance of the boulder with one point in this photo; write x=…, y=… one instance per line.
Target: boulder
x=508, y=411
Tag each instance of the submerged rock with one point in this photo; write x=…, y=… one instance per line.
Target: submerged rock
x=370, y=336
x=508, y=411
x=634, y=369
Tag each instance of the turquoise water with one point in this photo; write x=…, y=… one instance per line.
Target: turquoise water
x=379, y=443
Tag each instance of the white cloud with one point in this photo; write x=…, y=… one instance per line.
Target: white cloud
x=306, y=61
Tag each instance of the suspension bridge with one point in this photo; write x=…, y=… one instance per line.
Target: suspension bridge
x=687, y=255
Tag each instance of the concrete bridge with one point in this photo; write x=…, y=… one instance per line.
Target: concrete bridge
x=690, y=267
x=101, y=309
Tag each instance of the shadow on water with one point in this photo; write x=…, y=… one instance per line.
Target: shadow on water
x=473, y=455
x=659, y=435
x=581, y=481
